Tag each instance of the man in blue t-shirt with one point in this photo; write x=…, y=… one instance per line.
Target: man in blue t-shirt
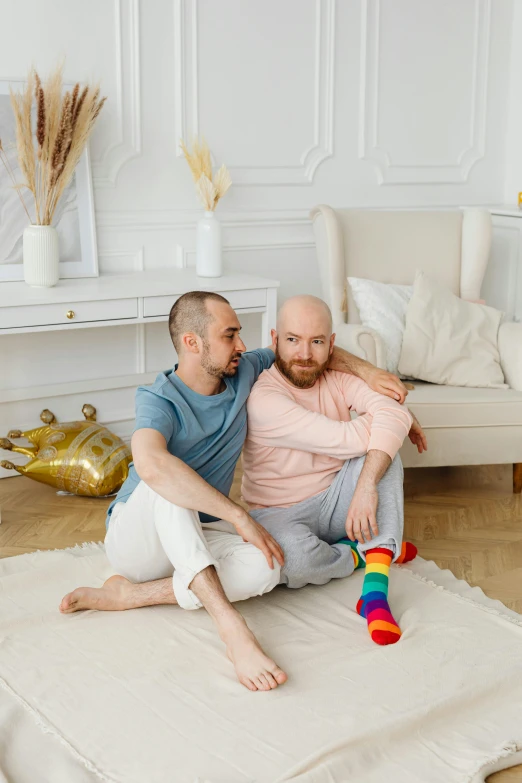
x=173, y=534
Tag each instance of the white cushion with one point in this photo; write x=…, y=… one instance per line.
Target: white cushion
x=449, y=341
x=382, y=307
x=457, y=406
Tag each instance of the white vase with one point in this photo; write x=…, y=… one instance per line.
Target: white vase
x=41, y=256
x=208, y=247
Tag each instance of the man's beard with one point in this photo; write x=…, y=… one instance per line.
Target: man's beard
x=303, y=379
x=215, y=370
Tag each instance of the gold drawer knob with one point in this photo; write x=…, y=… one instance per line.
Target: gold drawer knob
x=70, y=314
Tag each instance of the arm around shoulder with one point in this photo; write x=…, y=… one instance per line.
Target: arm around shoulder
x=390, y=421
x=276, y=420
x=362, y=342
x=379, y=380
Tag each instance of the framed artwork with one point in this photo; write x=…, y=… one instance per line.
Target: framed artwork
x=73, y=220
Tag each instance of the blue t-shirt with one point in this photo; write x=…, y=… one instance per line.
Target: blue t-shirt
x=206, y=432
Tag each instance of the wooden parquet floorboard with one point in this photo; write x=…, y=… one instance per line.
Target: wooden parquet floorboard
x=466, y=519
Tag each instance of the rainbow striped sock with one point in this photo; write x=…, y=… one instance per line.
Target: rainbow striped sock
x=357, y=559
x=373, y=603
x=408, y=552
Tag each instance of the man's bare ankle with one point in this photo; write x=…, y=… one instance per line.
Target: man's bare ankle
x=232, y=627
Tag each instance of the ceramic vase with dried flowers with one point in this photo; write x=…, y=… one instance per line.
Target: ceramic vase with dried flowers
x=210, y=190
x=47, y=160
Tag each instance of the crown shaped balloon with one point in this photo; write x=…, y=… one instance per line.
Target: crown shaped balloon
x=81, y=457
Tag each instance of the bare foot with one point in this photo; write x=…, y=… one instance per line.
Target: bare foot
x=255, y=670
x=116, y=594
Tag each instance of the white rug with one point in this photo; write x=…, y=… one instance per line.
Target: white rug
x=147, y=696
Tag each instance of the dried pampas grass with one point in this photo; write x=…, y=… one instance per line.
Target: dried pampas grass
x=5, y=160
x=207, y=193
x=210, y=190
x=64, y=123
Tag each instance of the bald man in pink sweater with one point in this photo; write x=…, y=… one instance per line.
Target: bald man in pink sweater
x=329, y=489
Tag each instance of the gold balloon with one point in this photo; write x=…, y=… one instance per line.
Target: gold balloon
x=81, y=457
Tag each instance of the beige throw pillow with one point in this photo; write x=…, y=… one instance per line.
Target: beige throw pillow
x=450, y=341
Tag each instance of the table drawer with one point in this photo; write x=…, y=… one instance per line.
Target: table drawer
x=46, y=314
x=239, y=300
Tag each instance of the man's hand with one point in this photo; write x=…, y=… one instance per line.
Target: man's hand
x=386, y=383
x=362, y=514
x=254, y=533
x=379, y=380
x=417, y=436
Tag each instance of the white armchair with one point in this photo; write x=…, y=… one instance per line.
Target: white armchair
x=465, y=426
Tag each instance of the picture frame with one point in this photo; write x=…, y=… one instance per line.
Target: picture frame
x=74, y=218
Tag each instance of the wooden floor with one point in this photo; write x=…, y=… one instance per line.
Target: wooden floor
x=465, y=519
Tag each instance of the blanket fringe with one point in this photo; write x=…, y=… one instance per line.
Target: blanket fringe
x=465, y=599
x=48, y=728
x=509, y=749
x=95, y=546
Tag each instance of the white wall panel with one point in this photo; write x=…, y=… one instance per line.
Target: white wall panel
x=301, y=272
x=125, y=112
x=374, y=103
x=274, y=85
x=424, y=88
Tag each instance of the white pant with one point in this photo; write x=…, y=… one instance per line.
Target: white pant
x=150, y=538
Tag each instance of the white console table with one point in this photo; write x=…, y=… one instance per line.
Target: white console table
x=137, y=298
x=121, y=299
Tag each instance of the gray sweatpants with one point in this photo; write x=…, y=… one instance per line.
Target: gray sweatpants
x=308, y=531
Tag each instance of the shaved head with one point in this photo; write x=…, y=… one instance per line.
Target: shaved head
x=304, y=339
x=307, y=305
x=205, y=331
x=191, y=313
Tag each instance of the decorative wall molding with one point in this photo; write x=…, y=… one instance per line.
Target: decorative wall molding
x=303, y=245
x=185, y=127
x=112, y=260
x=128, y=97
x=388, y=171
x=165, y=219
x=270, y=230
x=115, y=261
x=182, y=219
x=186, y=97
x=248, y=247
x=181, y=257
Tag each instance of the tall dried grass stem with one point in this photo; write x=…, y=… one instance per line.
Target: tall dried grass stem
x=16, y=186
x=63, y=126
x=207, y=193
x=210, y=190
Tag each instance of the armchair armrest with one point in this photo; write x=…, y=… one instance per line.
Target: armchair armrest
x=510, y=349
x=361, y=341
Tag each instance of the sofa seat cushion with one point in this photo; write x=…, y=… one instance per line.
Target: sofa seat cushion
x=462, y=406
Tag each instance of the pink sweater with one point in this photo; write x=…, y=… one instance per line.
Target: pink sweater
x=298, y=439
